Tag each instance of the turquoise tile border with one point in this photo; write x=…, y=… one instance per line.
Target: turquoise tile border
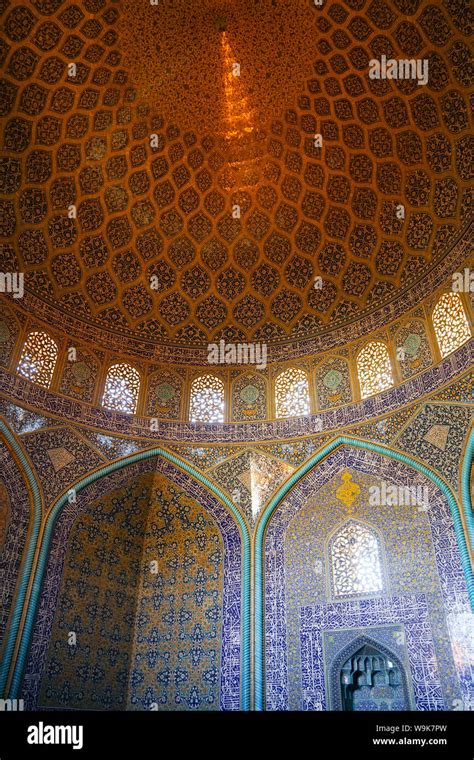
x=27, y=562
x=466, y=487
x=259, y=597
x=44, y=553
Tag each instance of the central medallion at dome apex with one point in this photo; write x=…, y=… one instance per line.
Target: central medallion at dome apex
x=202, y=63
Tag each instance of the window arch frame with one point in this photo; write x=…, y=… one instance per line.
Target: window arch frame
x=104, y=390
x=280, y=374
x=384, y=575
x=53, y=342
x=222, y=383
x=364, y=348
x=455, y=297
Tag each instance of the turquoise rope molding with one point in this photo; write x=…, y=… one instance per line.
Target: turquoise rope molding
x=259, y=602
x=466, y=486
x=28, y=561
x=44, y=553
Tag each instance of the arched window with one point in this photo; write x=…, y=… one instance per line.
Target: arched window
x=207, y=399
x=374, y=369
x=450, y=323
x=355, y=561
x=38, y=358
x=122, y=386
x=292, y=393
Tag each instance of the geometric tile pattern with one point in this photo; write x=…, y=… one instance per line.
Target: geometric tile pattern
x=60, y=457
x=95, y=515
x=151, y=198
x=388, y=402
x=14, y=516
x=410, y=611
x=436, y=435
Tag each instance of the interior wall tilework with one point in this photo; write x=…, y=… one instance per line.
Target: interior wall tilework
x=119, y=505
x=232, y=590
x=61, y=457
x=164, y=396
x=436, y=436
x=333, y=383
x=9, y=331
x=413, y=640
x=21, y=420
x=96, y=601
x=79, y=376
x=298, y=599
x=176, y=637
x=412, y=348
x=14, y=516
x=249, y=398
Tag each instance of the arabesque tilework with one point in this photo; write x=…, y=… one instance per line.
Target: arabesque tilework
x=308, y=207
x=433, y=428
x=426, y=594
x=384, y=403
x=14, y=517
x=103, y=510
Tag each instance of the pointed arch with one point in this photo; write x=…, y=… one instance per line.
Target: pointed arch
x=374, y=368
x=277, y=499
x=36, y=509
x=207, y=399
x=413, y=352
x=39, y=546
x=38, y=358
x=292, y=397
x=164, y=394
x=122, y=388
x=351, y=543
x=249, y=397
x=450, y=323
x=350, y=650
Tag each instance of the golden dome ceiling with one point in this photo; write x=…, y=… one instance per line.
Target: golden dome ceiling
x=158, y=250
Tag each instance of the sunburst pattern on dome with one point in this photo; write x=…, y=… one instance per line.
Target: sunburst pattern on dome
x=170, y=240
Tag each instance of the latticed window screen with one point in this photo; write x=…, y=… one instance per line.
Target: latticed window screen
x=122, y=386
x=355, y=561
x=374, y=369
x=450, y=323
x=207, y=399
x=292, y=393
x=38, y=358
